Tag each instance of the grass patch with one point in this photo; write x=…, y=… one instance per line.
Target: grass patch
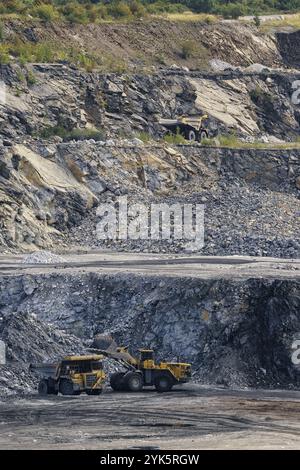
x=190, y=17
x=232, y=141
x=2, y=35
x=192, y=50
x=174, y=139
x=31, y=78
x=45, y=12
x=287, y=21
x=4, y=54
x=144, y=137
x=51, y=52
x=189, y=49
x=74, y=134
x=86, y=134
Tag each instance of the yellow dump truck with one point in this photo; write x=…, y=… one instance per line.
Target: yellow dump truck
x=190, y=127
x=71, y=375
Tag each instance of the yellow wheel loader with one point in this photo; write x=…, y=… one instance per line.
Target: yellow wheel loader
x=144, y=372
x=71, y=376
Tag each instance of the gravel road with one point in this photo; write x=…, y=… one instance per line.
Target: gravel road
x=191, y=417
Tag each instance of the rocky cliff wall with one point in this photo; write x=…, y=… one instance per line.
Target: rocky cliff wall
x=234, y=331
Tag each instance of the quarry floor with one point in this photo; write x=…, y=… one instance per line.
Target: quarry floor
x=190, y=417
x=158, y=264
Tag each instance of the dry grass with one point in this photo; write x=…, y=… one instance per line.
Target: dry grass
x=286, y=21
x=231, y=141
x=188, y=16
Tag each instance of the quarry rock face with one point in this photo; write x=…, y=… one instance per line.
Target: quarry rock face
x=52, y=201
x=235, y=332
x=253, y=103
x=71, y=140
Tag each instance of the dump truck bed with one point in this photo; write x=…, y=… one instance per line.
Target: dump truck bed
x=44, y=369
x=190, y=121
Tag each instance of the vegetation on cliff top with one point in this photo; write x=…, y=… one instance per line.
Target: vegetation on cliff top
x=84, y=11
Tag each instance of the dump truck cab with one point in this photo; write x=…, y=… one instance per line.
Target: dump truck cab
x=72, y=375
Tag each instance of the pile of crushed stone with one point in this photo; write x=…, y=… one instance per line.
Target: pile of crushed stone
x=43, y=257
x=30, y=340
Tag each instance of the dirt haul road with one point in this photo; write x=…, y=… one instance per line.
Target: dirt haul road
x=157, y=264
x=191, y=417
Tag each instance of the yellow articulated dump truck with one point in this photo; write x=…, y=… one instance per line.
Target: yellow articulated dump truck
x=72, y=375
x=190, y=127
x=144, y=372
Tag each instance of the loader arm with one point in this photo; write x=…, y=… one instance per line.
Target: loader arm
x=122, y=357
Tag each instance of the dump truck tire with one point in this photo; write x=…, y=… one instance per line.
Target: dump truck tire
x=191, y=135
x=43, y=388
x=116, y=381
x=203, y=135
x=133, y=382
x=163, y=383
x=66, y=387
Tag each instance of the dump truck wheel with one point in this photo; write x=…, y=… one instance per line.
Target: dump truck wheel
x=116, y=381
x=133, y=382
x=43, y=388
x=66, y=387
x=191, y=135
x=203, y=135
x=163, y=383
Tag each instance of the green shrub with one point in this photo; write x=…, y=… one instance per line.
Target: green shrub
x=14, y=6
x=1, y=31
x=47, y=13
x=137, y=9
x=119, y=10
x=257, y=21
x=4, y=54
x=20, y=76
x=85, y=61
x=188, y=49
x=163, y=7
x=51, y=131
x=231, y=10
x=75, y=13
x=96, y=13
x=31, y=78
x=144, y=137
x=85, y=134
x=161, y=59
x=28, y=52
x=174, y=139
x=74, y=134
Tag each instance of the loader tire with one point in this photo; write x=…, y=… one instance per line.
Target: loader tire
x=66, y=387
x=43, y=388
x=133, y=382
x=163, y=383
x=116, y=381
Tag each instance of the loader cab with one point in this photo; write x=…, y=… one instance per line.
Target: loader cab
x=147, y=358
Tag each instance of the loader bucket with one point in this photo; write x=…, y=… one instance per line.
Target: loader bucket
x=104, y=342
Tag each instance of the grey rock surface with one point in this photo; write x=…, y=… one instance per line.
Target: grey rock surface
x=236, y=330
